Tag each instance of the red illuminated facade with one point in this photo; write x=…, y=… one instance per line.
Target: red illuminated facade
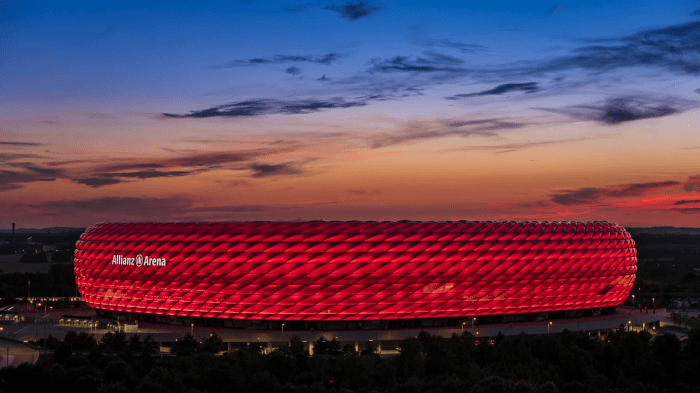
x=353, y=271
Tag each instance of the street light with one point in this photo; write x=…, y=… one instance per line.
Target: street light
x=629, y=326
x=548, y=325
x=283, y=331
x=632, y=300
x=463, y=323
x=7, y=347
x=473, y=320
x=192, y=329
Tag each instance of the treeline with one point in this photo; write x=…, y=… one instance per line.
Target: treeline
x=685, y=320
x=58, y=282
x=567, y=362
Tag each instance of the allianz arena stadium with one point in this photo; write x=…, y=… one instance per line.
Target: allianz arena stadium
x=353, y=275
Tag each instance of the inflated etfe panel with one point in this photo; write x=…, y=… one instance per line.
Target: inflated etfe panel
x=353, y=270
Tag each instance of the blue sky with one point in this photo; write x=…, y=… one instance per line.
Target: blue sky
x=342, y=110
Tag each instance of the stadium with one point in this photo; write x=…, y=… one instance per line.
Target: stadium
x=354, y=276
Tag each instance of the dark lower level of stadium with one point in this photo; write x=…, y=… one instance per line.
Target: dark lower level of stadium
x=353, y=325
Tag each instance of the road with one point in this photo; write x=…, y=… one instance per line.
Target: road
x=18, y=353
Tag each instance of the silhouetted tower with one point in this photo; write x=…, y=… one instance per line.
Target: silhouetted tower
x=13, y=233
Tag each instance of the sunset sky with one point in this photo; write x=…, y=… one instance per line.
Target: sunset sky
x=376, y=110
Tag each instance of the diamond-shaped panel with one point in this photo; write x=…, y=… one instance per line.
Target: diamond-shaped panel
x=354, y=270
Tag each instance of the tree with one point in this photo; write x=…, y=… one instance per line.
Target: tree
x=185, y=346
x=117, y=371
x=134, y=344
x=321, y=346
x=212, y=344
x=348, y=349
x=368, y=349
x=333, y=347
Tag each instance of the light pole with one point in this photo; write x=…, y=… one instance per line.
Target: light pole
x=7, y=345
x=463, y=326
x=548, y=325
x=632, y=300
x=473, y=320
x=629, y=326
x=192, y=330
x=282, y=330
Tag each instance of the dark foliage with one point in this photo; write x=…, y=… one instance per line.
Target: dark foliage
x=567, y=363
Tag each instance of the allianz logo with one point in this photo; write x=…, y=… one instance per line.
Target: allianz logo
x=138, y=261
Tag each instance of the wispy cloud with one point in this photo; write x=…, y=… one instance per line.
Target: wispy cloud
x=354, y=11
x=619, y=110
x=431, y=62
x=419, y=131
x=686, y=201
x=516, y=146
x=96, y=182
x=188, y=163
x=139, y=208
x=445, y=43
x=674, y=48
x=268, y=107
x=268, y=170
x=14, y=143
x=593, y=195
x=326, y=59
x=11, y=179
x=293, y=70
x=529, y=87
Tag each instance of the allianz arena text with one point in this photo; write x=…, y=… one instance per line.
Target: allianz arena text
x=354, y=271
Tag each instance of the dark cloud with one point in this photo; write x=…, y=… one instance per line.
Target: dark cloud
x=696, y=12
x=638, y=189
x=16, y=179
x=106, y=179
x=529, y=87
x=687, y=210
x=326, y=59
x=7, y=157
x=186, y=163
x=324, y=78
x=96, y=182
x=592, y=195
x=420, y=131
x=12, y=143
x=619, y=110
x=129, y=166
x=431, y=62
x=217, y=159
x=354, y=11
x=697, y=91
x=581, y=196
x=293, y=70
x=675, y=48
x=267, y=170
x=693, y=184
x=54, y=172
x=686, y=201
x=269, y=107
